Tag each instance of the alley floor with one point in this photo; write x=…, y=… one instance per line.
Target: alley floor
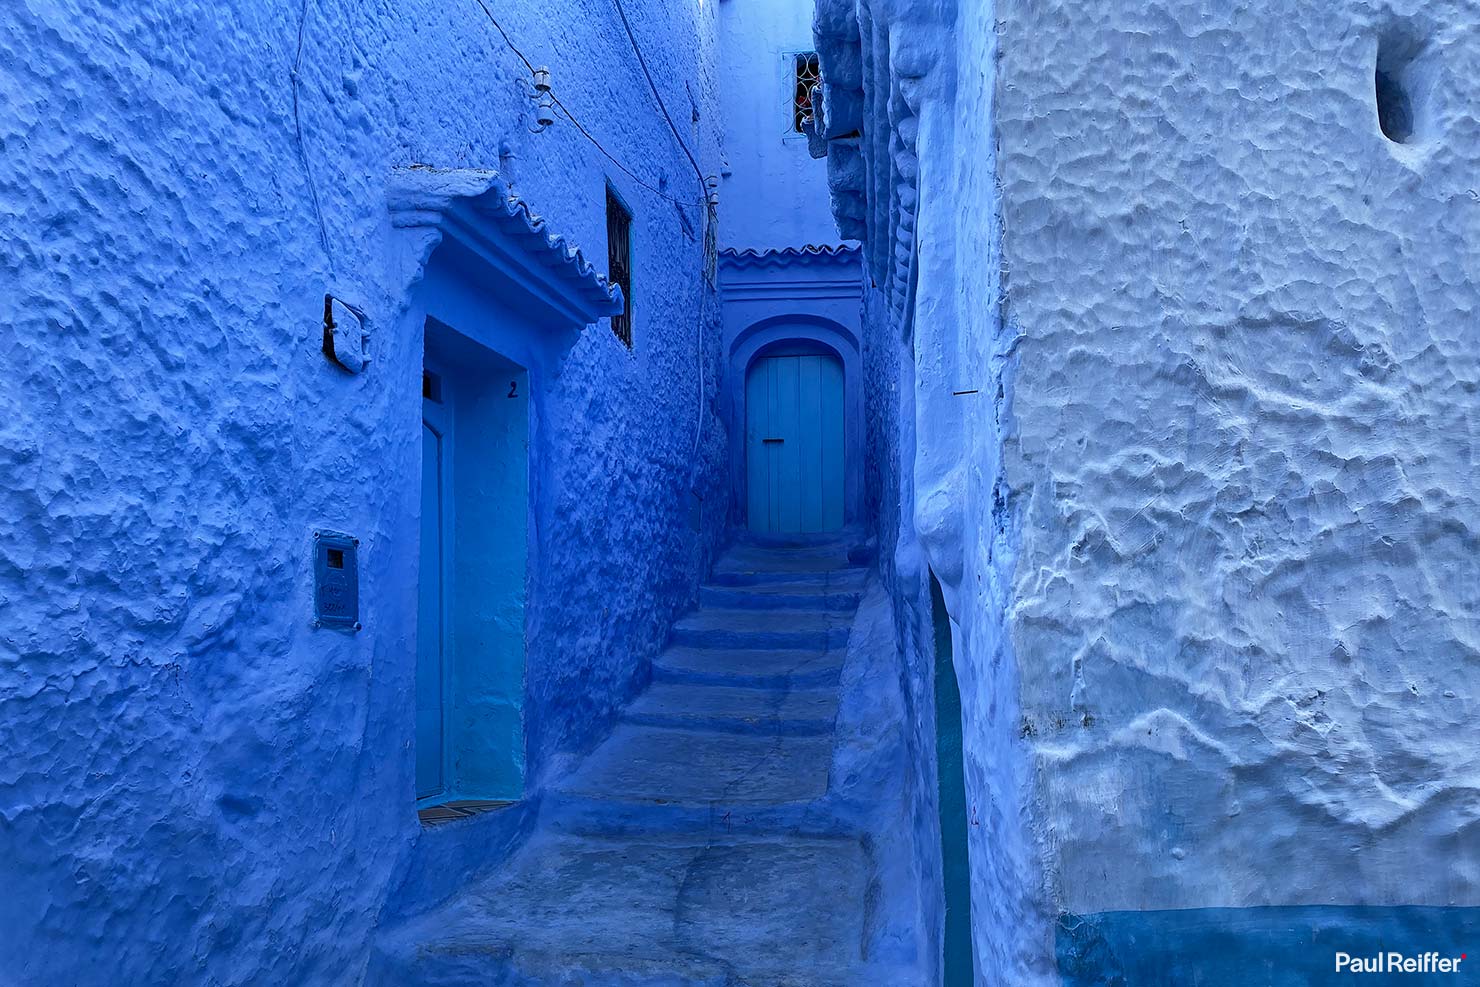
x=697, y=845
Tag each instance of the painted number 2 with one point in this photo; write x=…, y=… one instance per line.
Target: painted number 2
x=513, y=388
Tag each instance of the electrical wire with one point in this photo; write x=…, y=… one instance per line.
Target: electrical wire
x=313, y=191
x=579, y=127
x=507, y=40
x=711, y=243
x=653, y=85
x=613, y=159
x=711, y=247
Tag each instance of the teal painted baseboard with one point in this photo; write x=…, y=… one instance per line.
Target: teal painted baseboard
x=1263, y=947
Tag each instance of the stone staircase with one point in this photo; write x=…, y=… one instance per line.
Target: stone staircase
x=695, y=846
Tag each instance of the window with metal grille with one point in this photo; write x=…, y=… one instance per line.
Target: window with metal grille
x=806, y=73
x=619, y=262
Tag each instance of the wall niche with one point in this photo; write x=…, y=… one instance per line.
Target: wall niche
x=1405, y=84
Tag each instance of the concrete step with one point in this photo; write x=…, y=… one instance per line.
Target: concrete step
x=698, y=845
x=648, y=913
x=756, y=668
x=843, y=536
x=829, y=557
x=731, y=709
x=821, y=629
x=788, y=594
x=586, y=815
x=840, y=578
x=648, y=764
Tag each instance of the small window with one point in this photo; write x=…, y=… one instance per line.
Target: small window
x=806, y=74
x=619, y=262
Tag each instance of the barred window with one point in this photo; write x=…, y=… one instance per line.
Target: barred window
x=806, y=73
x=619, y=262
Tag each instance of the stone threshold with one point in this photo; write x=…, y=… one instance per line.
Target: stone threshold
x=446, y=812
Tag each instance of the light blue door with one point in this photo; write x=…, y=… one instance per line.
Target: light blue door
x=431, y=618
x=794, y=444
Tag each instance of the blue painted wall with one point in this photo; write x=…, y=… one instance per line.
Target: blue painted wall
x=198, y=786
x=772, y=193
x=937, y=364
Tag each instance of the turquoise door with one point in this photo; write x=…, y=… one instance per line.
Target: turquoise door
x=431, y=618
x=794, y=444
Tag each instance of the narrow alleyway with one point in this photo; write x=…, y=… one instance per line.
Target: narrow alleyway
x=701, y=828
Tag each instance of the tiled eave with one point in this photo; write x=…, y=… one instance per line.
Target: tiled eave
x=502, y=240
x=810, y=255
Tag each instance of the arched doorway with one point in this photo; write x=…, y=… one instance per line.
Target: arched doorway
x=794, y=441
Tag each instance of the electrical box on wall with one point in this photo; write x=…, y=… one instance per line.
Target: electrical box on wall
x=345, y=340
x=336, y=580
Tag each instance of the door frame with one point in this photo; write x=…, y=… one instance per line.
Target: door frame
x=437, y=416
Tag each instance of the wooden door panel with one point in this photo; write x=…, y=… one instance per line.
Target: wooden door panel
x=794, y=444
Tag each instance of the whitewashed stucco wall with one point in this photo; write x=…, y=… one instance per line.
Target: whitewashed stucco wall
x=1246, y=454
x=1207, y=522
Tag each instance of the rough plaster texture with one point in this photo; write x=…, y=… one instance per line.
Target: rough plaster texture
x=911, y=641
x=937, y=360
x=1203, y=516
x=773, y=194
x=199, y=787
x=1245, y=605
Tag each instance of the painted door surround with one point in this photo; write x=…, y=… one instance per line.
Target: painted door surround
x=490, y=296
x=788, y=298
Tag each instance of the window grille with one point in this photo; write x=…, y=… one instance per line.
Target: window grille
x=806, y=73
x=619, y=262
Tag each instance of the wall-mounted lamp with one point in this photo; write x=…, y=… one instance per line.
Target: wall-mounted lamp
x=544, y=100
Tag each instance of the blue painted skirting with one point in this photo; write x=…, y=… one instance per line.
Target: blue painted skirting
x=1261, y=947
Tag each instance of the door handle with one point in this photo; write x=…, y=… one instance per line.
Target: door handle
x=773, y=441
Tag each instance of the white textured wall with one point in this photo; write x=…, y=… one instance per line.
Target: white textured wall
x=1246, y=450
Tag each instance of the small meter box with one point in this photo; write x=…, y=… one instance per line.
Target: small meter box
x=336, y=580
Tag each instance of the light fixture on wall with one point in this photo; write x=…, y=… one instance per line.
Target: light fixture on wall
x=544, y=100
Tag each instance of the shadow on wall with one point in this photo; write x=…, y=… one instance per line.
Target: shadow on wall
x=959, y=965
x=1405, y=83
